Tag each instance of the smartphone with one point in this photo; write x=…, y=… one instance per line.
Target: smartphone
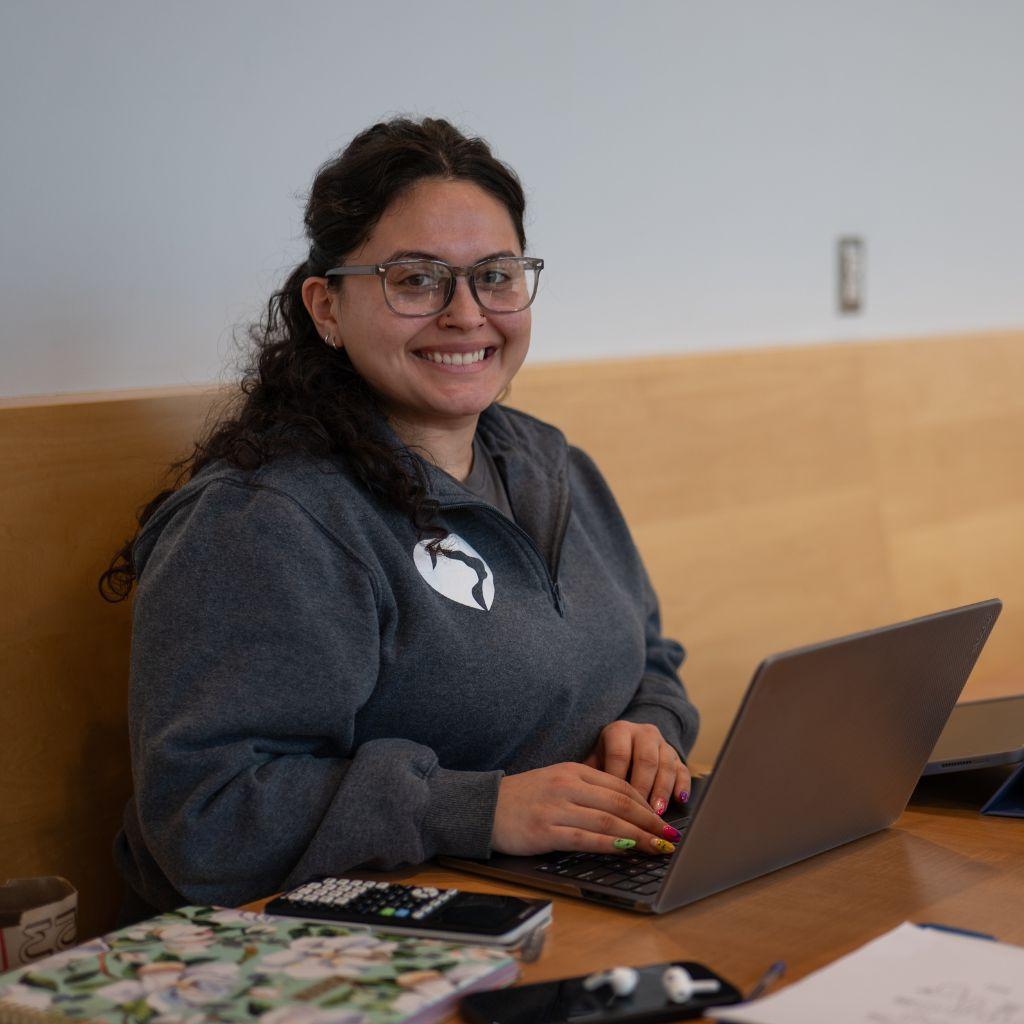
x=416, y=910
x=565, y=1001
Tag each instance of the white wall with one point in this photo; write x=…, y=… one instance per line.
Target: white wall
x=690, y=165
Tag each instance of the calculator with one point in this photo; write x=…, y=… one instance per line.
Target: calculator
x=415, y=909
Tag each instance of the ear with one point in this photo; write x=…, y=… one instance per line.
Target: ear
x=318, y=300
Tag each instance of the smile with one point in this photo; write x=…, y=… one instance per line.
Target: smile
x=454, y=358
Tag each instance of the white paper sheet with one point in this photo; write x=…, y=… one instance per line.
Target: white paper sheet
x=910, y=975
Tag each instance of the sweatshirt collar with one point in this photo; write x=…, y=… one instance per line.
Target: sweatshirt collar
x=532, y=458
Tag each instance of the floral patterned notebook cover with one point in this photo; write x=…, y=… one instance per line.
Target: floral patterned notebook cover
x=203, y=964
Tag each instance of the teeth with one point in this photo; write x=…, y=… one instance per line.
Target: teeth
x=454, y=358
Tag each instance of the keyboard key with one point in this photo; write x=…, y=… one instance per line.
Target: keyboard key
x=575, y=869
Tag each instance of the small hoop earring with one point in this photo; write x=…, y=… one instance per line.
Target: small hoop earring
x=328, y=340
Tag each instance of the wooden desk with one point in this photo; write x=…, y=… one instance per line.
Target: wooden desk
x=941, y=862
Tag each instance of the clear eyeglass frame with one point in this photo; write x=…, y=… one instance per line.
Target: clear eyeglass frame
x=528, y=264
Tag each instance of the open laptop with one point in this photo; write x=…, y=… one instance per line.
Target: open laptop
x=826, y=747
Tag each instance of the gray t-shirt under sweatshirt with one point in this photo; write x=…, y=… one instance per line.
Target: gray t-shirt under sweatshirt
x=313, y=690
x=485, y=481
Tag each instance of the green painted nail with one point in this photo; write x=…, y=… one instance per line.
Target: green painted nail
x=624, y=844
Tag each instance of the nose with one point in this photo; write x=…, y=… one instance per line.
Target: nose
x=462, y=312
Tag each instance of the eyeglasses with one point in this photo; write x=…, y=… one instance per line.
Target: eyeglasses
x=504, y=284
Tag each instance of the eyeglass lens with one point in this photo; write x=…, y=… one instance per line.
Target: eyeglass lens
x=423, y=287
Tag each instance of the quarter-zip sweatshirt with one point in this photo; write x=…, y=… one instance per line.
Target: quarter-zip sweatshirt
x=313, y=690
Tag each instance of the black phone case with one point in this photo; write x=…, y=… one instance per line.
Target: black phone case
x=568, y=1002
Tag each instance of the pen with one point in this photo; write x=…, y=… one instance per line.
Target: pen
x=776, y=971
x=956, y=931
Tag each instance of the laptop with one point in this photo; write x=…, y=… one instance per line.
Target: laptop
x=827, y=746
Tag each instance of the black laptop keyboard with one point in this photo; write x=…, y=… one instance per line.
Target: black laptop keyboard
x=635, y=873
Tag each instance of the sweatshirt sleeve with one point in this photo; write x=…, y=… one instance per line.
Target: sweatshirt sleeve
x=255, y=644
x=660, y=698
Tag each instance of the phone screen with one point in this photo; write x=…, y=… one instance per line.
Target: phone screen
x=482, y=913
x=561, y=1002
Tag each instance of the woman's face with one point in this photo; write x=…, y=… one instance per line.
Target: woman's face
x=459, y=223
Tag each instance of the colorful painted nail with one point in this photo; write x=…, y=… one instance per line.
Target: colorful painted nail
x=684, y=795
x=659, y=806
x=671, y=833
x=662, y=845
x=624, y=844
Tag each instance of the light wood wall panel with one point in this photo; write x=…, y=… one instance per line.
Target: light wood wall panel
x=947, y=421
x=779, y=497
x=785, y=496
x=72, y=474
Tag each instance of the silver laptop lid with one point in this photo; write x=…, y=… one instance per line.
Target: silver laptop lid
x=827, y=746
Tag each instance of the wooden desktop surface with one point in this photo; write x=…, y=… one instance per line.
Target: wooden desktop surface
x=941, y=862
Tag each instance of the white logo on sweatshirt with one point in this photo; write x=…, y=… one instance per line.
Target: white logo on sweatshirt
x=457, y=572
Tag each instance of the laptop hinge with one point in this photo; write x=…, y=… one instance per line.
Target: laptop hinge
x=606, y=898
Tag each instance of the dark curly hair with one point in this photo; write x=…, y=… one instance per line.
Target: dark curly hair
x=300, y=395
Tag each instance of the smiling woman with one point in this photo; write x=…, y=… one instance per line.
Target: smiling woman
x=442, y=345
x=381, y=616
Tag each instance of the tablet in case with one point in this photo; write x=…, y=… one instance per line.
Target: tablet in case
x=1008, y=799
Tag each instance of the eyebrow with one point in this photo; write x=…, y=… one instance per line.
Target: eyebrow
x=411, y=254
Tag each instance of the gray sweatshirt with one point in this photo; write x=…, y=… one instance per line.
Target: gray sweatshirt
x=312, y=690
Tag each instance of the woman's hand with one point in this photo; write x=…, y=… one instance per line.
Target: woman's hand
x=640, y=754
x=575, y=807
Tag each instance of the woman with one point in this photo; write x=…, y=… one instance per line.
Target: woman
x=386, y=618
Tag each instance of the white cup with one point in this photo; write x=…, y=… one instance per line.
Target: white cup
x=38, y=917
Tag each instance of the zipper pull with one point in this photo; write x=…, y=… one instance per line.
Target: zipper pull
x=559, y=600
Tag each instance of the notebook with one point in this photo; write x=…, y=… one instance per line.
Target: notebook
x=204, y=964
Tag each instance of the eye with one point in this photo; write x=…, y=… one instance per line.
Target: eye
x=416, y=277
x=493, y=276
x=417, y=281
x=498, y=275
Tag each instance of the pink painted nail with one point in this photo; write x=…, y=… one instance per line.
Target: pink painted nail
x=659, y=806
x=671, y=833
